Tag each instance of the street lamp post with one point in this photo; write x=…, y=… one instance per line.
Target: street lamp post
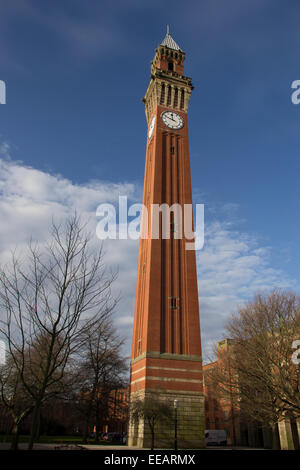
x=175, y=423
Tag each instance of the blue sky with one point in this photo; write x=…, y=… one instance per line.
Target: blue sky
x=74, y=129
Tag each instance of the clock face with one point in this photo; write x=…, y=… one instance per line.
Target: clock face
x=172, y=120
x=151, y=127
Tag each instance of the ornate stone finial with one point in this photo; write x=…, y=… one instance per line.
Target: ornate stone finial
x=168, y=29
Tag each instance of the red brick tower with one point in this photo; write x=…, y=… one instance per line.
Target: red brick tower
x=166, y=347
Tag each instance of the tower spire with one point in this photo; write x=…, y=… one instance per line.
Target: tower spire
x=169, y=41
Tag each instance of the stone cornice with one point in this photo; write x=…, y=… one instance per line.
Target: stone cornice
x=173, y=357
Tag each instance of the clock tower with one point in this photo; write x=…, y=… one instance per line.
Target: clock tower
x=166, y=361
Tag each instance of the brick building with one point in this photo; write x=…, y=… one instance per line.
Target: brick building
x=117, y=416
x=223, y=412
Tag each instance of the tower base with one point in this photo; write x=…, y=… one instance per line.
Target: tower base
x=190, y=422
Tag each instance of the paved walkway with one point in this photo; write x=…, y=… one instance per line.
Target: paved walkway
x=6, y=446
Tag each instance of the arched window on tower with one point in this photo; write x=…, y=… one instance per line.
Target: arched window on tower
x=162, y=95
x=175, y=97
x=182, y=99
x=171, y=66
x=169, y=95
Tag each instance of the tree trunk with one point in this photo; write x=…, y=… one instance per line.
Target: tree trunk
x=15, y=436
x=97, y=422
x=88, y=415
x=34, y=425
x=85, y=431
x=87, y=423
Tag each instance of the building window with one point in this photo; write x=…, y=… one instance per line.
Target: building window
x=174, y=302
x=182, y=100
x=175, y=97
x=162, y=96
x=169, y=95
x=171, y=66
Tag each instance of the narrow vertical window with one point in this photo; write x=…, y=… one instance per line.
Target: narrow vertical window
x=182, y=99
x=176, y=98
x=169, y=95
x=162, y=96
x=174, y=302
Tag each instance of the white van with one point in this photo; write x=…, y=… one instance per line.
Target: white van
x=215, y=437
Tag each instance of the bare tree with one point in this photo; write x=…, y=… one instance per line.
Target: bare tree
x=48, y=298
x=152, y=411
x=257, y=371
x=103, y=367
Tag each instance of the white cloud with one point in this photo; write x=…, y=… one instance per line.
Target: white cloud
x=232, y=266
x=30, y=198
